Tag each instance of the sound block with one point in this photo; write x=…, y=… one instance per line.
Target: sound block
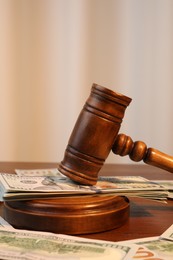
x=69, y=215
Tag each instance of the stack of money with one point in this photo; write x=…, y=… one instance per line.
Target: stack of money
x=168, y=184
x=35, y=184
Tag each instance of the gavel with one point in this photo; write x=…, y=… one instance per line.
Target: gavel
x=95, y=134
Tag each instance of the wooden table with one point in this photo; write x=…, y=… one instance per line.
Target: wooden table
x=147, y=218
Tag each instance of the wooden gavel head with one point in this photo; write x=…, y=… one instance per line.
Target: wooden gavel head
x=96, y=133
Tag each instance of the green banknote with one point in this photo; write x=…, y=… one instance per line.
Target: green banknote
x=152, y=248
x=21, y=244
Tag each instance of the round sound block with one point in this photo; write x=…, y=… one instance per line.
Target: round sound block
x=69, y=215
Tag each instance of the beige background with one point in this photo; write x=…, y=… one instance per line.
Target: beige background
x=53, y=50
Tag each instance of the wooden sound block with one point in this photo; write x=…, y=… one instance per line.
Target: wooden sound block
x=69, y=215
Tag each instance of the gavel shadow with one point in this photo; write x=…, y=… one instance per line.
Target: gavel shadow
x=148, y=208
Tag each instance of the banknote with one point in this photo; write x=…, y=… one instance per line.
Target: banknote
x=24, y=244
x=168, y=184
x=15, y=187
x=4, y=224
x=38, y=172
x=168, y=234
x=152, y=248
x=170, y=195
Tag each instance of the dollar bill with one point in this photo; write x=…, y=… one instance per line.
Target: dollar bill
x=170, y=195
x=23, y=244
x=168, y=234
x=15, y=187
x=168, y=184
x=4, y=224
x=152, y=248
x=38, y=172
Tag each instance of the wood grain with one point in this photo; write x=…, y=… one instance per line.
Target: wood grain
x=69, y=215
x=147, y=218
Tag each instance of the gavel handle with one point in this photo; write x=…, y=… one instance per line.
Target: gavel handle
x=138, y=151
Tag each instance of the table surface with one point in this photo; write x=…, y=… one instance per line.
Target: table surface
x=147, y=218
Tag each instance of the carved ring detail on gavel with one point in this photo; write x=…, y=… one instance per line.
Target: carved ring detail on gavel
x=95, y=134
x=138, y=151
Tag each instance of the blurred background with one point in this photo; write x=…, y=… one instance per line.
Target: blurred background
x=52, y=51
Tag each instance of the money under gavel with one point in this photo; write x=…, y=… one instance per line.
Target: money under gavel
x=95, y=134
